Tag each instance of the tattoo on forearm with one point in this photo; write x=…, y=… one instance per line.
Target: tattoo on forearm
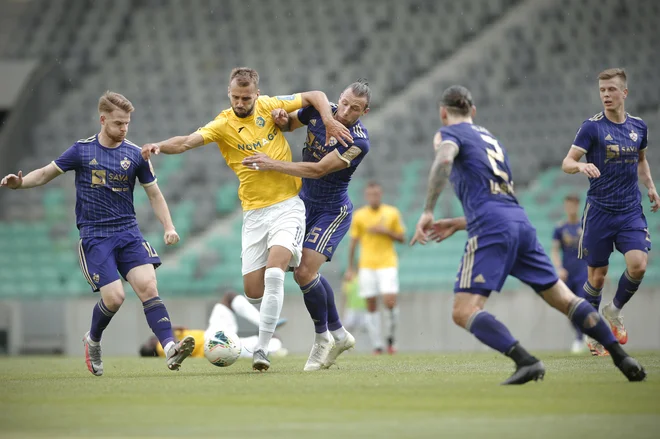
x=437, y=179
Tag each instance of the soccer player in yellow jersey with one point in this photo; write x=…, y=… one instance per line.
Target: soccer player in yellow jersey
x=376, y=227
x=274, y=215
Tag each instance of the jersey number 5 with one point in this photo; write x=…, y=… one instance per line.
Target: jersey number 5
x=495, y=155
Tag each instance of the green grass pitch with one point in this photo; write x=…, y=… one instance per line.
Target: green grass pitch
x=404, y=396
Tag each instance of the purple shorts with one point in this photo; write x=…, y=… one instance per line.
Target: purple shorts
x=326, y=226
x=103, y=259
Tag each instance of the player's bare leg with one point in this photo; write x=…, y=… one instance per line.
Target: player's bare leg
x=391, y=321
x=112, y=297
x=629, y=282
x=271, y=305
x=580, y=312
x=468, y=313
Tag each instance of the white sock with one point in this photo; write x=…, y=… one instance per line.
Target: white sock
x=271, y=305
x=245, y=309
x=254, y=302
x=616, y=311
x=323, y=337
x=391, y=321
x=92, y=342
x=167, y=347
x=339, y=334
x=373, y=328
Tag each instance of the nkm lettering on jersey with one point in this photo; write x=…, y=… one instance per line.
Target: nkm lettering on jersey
x=256, y=144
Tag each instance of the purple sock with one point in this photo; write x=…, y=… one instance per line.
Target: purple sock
x=101, y=317
x=627, y=287
x=159, y=320
x=315, y=298
x=583, y=314
x=490, y=331
x=333, y=315
x=592, y=294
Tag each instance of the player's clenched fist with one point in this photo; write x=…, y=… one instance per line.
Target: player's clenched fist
x=589, y=169
x=171, y=237
x=148, y=149
x=12, y=181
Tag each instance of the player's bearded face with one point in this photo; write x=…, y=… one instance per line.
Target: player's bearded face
x=115, y=125
x=612, y=93
x=243, y=98
x=350, y=108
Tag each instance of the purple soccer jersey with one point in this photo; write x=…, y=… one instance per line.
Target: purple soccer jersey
x=328, y=207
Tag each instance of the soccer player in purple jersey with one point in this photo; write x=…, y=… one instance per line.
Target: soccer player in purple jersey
x=501, y=240
x=614, y=143
x=326, y=170
x=571, y=269
x=106, y=166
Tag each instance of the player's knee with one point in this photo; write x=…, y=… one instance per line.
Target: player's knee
x=228, y=298
x=148, y=289
x=637, y=269
x=371, y=304
x=460, y=316
x=389, y=300
x=114, y=300
x=303, y=275
x=597, y=279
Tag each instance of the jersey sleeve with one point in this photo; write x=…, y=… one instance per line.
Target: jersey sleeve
x=645, y=135
x=584, y=138
x=448, y=136
x=213, y=131
x=397, y=223
x=69, y=160
x=289, y=102
x=556, y=234
x=146, y=174
x=353, y=154
x=305, y=114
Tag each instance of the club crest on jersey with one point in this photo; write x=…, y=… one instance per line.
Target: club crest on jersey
x=96, y=278
x=633, y=136
x=125, y=164
x=260, y=121
x=332, y=141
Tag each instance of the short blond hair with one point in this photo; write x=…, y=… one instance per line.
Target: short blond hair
x=244, y=76
x=111, y=101
x=614, y=73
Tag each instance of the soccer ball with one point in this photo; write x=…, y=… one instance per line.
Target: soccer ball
x=222, y=348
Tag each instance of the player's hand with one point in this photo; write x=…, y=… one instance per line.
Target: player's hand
x=259, y=162
x=338, y=131
x=421, y=231
x=148, y=149
x=442, y=229
x=280, y=117
x=14, y=181
x=653, y=197
x=378, y=229
x=589, y=169
x=349, y=275
x=563, y=274
x=171, y=237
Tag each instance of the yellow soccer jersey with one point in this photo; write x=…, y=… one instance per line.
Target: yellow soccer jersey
x=242, y=137
x=376, y=250
x=182, y=333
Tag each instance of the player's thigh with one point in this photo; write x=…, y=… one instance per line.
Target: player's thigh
x=486, y=262
x=142, y=279
x=254, y=241
x=367, y=283
x=98, y=262
x=222, y=319
x=532, y=265
x=326, y=228
x=253, y=283
x=286, y=230
x=598, y=234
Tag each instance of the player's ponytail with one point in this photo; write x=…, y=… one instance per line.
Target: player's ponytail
x=360, y=88
x=457, y=99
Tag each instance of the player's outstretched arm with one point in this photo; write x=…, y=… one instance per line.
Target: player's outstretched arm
x=159, y=205
x=38, y=177
x=330, y=163
x=286, y=121
x=644, y=172
x=174, y=145
x=572, y=164
x=333, y=128
x=445, y=227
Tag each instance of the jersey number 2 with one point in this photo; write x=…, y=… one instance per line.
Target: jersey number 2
x=494, y=156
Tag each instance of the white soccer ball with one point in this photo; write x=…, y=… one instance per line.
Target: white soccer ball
x=222, y=348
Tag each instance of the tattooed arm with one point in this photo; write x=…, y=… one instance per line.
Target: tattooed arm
x=445, y=153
